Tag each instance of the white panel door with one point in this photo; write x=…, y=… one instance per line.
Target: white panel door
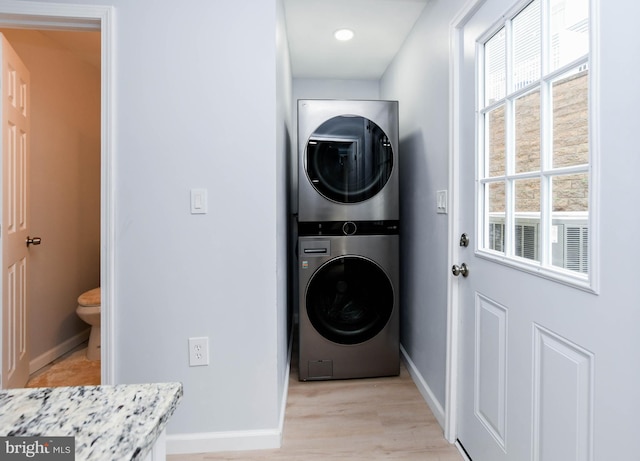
x=529, y=343
x=15, y=219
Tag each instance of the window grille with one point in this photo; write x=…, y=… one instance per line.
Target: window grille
x=533, y=139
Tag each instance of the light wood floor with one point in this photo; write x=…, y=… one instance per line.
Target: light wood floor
x=352, y=420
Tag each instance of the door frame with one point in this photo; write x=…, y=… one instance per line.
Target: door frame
x=36, y=15
x=456, y=57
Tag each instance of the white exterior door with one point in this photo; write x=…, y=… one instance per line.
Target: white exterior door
x=15, y=218
x=548, y=352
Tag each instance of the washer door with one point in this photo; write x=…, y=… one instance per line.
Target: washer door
x=349, y=300
x=348, y=159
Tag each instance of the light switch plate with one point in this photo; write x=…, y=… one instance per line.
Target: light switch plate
x=441, y=201
x=198, y=201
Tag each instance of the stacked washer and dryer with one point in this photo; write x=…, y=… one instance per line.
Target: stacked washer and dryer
x=348, y=244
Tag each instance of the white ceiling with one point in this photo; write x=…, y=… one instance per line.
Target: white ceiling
x=380, y=27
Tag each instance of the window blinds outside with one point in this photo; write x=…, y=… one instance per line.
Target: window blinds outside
x=576, y=245
x=570, y=252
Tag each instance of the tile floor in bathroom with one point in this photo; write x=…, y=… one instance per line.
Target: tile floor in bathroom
x=71, y=369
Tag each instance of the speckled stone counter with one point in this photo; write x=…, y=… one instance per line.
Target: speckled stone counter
x=109, y=423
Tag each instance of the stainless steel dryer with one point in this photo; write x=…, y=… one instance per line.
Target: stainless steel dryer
x=348, y=319
x=348, y=164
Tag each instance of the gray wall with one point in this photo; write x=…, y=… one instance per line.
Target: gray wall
x=312, y=88
x=195, y=107
x=419, y=79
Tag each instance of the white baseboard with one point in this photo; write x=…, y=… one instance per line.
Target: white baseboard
x=285, y=388
x=59, y=350
x=424, y=389
x=210, y=442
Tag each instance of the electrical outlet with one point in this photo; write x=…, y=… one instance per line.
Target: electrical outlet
x=198, y=352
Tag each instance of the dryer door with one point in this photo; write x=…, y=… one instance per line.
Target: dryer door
x=348, y=159
x=349, y=300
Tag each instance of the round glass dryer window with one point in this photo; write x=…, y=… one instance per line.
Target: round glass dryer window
x=349, y=300
x=349, y=159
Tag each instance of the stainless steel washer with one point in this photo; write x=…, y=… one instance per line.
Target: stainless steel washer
x=348, y=319
x=348, y=160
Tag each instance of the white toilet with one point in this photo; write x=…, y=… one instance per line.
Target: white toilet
x=89, y=310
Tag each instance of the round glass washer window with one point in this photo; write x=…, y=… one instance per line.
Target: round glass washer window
x=349, y=300
x=349, y=159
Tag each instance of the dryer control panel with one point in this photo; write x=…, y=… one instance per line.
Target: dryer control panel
x=338, y=228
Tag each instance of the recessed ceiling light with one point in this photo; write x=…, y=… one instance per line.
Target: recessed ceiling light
x=343, y=34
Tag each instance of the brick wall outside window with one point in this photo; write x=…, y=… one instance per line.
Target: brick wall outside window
x=570, y=147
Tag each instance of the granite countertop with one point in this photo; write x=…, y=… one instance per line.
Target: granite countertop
x=120, y=422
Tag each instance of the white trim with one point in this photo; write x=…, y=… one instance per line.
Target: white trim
x=36, y=15
x=210, y=442
x=552, y=273
x=594, y=145
x=285, y=388
x=453, y=329
x=108, y=199
x=58, y=351
x=423, y=387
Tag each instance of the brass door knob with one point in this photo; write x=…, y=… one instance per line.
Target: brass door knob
x=33, y=241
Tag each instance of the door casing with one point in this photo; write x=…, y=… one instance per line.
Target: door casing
x=453, y=329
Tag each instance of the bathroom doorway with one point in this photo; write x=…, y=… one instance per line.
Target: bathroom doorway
x=63, y=176
x=73, y=252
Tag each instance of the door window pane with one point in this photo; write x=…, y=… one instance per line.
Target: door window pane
x=570, y=119
x=526, y=46
x=527, y=127
x=570, y=244
x=570, y=225
x=527, y=218
x=569, y=31
x=571, y=194
x=496, y=199
x=495, y=141
x=495, y=69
